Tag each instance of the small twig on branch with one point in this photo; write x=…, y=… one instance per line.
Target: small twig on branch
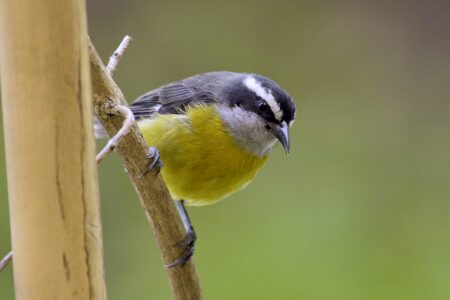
x=116, y=109
x=117, y=55
x=151, y=190
x=4, y=262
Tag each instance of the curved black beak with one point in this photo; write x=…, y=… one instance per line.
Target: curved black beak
x=281, y=132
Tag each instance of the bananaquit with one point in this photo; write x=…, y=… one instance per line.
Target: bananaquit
x=213, y=132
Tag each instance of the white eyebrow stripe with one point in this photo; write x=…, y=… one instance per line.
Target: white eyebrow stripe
x=256, y=87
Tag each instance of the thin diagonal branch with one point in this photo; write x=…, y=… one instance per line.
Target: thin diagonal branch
x=152, y=192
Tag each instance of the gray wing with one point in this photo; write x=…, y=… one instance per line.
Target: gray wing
x=174, y=97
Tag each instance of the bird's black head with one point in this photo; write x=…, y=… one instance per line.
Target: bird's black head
x=264, y=97
x=267, y=99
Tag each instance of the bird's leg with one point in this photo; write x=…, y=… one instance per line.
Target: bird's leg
x=155, y=157
x=189, y=241
x=191, y=237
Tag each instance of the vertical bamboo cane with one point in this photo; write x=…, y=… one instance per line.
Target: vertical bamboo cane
x=52, y=179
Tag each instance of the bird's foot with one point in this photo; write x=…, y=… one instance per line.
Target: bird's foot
x=156, y=162
x=189, y=243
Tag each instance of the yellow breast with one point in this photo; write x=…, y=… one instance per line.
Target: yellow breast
x=202, y=162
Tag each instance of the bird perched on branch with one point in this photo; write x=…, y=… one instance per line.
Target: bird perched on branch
x=213, y=132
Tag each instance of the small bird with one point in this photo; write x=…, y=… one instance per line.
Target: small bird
x=212, y=132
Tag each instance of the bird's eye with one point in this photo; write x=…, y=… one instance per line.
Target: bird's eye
x=263, y=106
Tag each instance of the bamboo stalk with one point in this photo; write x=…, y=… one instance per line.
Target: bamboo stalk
x=50, y=151
x=152, y=192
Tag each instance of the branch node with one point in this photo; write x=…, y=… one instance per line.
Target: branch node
x=116, y=109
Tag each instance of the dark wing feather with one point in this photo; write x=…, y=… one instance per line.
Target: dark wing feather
x=164, y=100
x=146, y=105
x=174, y=97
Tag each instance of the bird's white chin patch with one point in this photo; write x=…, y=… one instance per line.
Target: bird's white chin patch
x=248, y=129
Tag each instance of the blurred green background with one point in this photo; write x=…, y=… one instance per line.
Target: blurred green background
x=360, y=208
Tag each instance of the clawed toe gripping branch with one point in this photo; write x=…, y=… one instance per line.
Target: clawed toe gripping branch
x=155, y=162
x=112, y=110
